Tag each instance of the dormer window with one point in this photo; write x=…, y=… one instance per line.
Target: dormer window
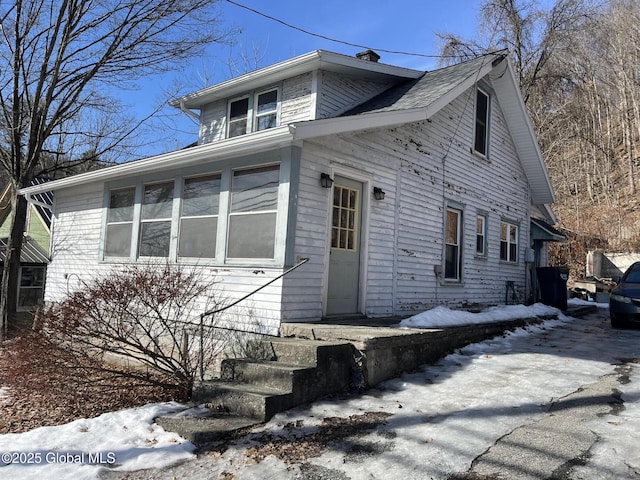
x=253, y=113
x=238, y=117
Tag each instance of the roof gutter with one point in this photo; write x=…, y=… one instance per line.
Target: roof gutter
x=232, y=147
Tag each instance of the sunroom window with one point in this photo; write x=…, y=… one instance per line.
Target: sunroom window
x=119, y=223
x=155, y=224
x=181, y=219
x=252, y=219
x=199, y=216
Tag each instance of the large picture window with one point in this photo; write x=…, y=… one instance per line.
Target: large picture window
x=119, y=223
x=453, y=223
x=155, y=225
x=481, y=140
x=508, y=242
x=252, y=219
x=199, y=217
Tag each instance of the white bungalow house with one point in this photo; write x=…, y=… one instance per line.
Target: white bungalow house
x=404, y=188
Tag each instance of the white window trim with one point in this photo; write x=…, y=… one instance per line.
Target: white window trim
x=248, y=120
x=487, y=135
x=255, y=116
x=252, y=111
x=226, y=174
x=180, y=184
x=482, y=216
x=229, y=214
x=20, y=288
x=459, y=234
x=509, y=224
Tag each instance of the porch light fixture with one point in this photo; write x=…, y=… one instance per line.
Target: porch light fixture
x=325, y=180
x=378, y=193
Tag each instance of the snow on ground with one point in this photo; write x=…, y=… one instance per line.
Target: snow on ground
x=442, y=416
x=445, y=317
x=127, y=439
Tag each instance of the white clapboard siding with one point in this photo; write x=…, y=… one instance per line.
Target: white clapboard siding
x=296, y=103
x=422, y=168
x=339, y=93
x=213, y=122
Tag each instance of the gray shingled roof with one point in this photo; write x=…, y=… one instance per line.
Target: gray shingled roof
x=424, y=91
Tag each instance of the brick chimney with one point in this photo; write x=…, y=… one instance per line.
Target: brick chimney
x=368, y=55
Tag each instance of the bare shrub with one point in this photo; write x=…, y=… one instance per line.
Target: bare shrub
x=141, y=324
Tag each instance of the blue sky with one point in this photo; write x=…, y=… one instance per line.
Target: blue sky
x=401, y=25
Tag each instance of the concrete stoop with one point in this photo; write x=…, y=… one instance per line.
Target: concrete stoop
x=311, y=361
x=280, y=373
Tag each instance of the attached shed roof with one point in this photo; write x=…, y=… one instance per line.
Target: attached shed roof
x=31, y=253
x=543, y=231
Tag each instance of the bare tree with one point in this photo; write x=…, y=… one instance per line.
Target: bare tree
x=59, y=58
x=531, y=33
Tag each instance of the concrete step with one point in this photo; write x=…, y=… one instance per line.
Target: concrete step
x=298, y=351
x=201, y=425
x=267, y=373
x=246, y=400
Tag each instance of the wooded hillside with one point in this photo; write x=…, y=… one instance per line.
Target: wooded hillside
x=578, y=63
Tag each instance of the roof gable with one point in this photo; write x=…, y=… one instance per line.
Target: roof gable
x=416, y=97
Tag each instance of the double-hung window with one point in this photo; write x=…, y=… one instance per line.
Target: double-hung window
x=266, y=110
x=238, y=117
x=481, y=235
x=119, y=223
x=155, y=223
x=252, y=217
x=253, y=113
x=508, y=242
x=453, y=251
x=31, y=291
x=199, y=217
x=481, y=134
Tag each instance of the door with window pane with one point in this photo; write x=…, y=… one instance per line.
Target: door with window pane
x=344, y=263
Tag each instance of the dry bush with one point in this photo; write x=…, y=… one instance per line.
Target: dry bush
x=138, y=327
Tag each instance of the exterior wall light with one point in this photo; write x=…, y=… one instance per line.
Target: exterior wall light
x=378, y=193
x=325, y=180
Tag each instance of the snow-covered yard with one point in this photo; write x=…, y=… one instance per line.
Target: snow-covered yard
x=435, y=421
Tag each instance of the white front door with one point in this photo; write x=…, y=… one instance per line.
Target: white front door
x=344, y=263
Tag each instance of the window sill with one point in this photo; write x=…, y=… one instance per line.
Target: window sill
x=480, y=156
x=507, y=262
x=199, y=262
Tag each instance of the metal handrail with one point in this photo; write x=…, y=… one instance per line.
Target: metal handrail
x=233, y=304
